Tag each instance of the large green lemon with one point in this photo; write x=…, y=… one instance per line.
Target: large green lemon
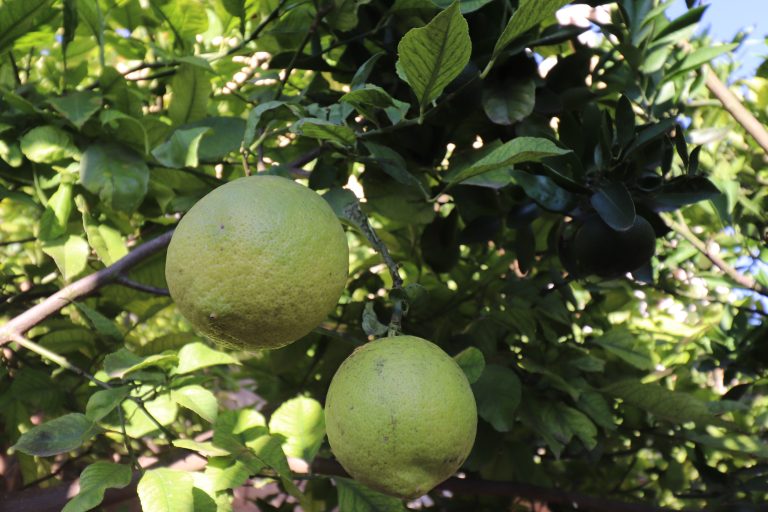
x=257, y=263
x=400, y=415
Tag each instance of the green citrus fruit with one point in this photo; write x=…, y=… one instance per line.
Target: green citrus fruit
x=257, y=263
x=400, y=415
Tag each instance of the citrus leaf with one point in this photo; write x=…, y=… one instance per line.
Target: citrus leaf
x=625, y=345
x=321, y=129
x=356, y=497
x=498, y=394
x=472, y=363
x=166, y=490
x=78, y=106
x=70, y=254
x=104, y=401
x=529, y=14
x=181, y=149
x=101, y=323
x=593, y=403
x=19, y=17
x=542, y=189
x=94, y=480
x=116, y=174
x=48, y=144
x=60, y=435
x=105, y=240
x=191, y=87
x=508, y=102
x=197, y=355
x=197, y=399
x=521, y=149
x=206, y=449
x=302, y=423
x=614, y=204
x=673, y=406
x=433, y=55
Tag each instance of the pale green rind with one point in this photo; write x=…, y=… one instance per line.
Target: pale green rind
x=257, y=263
x=400, y=415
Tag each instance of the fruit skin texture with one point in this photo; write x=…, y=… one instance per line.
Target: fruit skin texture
x=605, y=252
x=400, y=415
x=257, y=263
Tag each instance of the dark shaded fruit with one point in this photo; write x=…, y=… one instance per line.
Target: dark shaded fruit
x=600, y=250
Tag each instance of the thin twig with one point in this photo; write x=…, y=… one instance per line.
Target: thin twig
x=310, y=32
x=399, y=305
x=33, y=316
x=130, y=283
x=64, y=363
x=681, y=228
x=259, y=29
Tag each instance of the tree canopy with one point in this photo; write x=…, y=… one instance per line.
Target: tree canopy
x=569, y=202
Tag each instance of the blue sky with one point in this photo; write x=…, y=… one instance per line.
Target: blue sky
x=726, y=17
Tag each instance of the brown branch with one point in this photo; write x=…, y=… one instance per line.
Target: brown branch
x=738, y=111
x=681, y=228
x=33, y=316
x=53, y=499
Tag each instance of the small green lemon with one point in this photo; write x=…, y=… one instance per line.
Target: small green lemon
x=400, y=415
x=257, y=263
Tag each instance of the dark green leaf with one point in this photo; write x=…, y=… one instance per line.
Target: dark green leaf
x=529, y=14
x=181, y=149
x=355, y=497
x=521, y=149
x=101, y=323
x=191, y=87
x=60, y=435
x=104, y=401
x=498, y=393
x=625, y=121
x=614, y=204
x=672, y=406
x=467, y=6
x=116, y=174
x=508, y=102
x=321, y=129
x=19, y=17
x=432, y=56
x=544, y=191
x=394, y=165
x=624, y=344
x=78, y=106
x=472, y=362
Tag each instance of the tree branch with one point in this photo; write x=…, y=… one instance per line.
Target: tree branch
x=52, y=499
x=681, y=228
x=33, y=316
x=738, y=111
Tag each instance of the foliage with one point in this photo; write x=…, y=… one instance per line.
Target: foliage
x=475, y=138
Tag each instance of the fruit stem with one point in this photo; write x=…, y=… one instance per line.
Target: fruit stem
x=399, y=306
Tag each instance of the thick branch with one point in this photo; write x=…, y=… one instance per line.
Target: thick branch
x=33, y=316
x=52, y=499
